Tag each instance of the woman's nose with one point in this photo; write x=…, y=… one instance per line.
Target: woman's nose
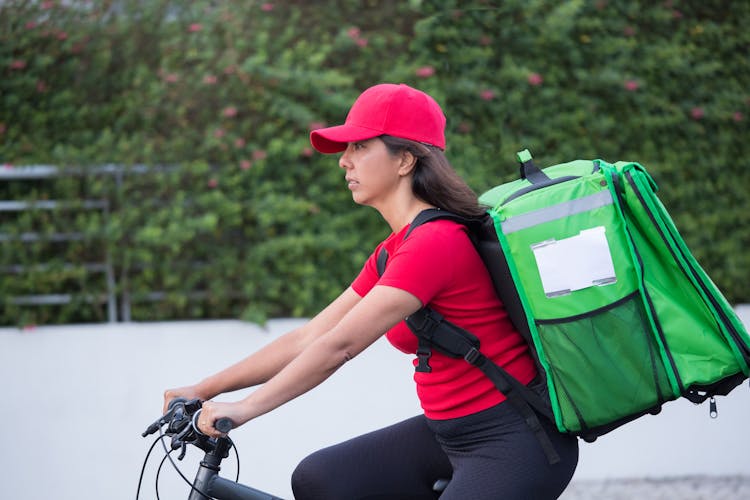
x=344, y=159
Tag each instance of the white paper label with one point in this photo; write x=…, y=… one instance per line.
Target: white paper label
x=575, y=263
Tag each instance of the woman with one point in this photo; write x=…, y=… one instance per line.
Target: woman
x=392, y=143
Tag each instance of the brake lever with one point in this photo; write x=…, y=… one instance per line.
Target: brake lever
x=159, y=423
x=154, y=427
x=177, y=420
x=180, y=439
x=176, y=405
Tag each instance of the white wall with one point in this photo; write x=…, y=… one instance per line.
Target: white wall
x=76, y=399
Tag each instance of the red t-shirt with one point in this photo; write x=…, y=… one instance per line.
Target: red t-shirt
x=438, y=264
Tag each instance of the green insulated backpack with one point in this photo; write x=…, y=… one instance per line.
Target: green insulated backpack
x=620, y=316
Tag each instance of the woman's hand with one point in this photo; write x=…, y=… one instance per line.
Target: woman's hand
x=213, y=411
x=188, y=392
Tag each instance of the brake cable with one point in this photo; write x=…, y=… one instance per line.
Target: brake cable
x=174, y=465
x=143, y=468
x=168, y=455
x=158, y=473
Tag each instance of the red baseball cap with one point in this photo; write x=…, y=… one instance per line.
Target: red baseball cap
x=386, y=109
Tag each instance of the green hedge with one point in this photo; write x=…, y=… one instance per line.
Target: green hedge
x=219, y=208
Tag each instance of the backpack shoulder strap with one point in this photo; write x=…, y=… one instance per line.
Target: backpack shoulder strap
x=432, y=214
x=382, y=259
x=434, y=331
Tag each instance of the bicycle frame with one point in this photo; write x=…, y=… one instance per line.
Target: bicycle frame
x=207, y=479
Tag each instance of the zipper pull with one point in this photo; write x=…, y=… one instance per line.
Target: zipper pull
x=712, y=411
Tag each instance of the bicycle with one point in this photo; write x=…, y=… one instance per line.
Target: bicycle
x=181, y=421
x=181, y=426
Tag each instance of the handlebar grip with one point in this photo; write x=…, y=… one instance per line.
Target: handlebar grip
x=224, y=425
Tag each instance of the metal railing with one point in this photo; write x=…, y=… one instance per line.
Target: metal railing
x=60, y=235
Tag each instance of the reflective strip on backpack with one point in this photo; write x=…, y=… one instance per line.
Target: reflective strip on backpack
x=559, y=211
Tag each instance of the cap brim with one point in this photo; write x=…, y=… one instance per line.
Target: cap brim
x=335, y=139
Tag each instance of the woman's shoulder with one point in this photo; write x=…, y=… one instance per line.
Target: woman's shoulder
x=444, y=233
x=440, y=228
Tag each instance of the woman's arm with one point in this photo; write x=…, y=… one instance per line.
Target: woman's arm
x=263, y=364
x=370, y=318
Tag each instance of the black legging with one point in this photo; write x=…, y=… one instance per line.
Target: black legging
x=489, y=455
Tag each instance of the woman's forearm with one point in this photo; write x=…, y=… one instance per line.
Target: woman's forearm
x=378, y=312
x=321, y=356
x=256, y=368
x=264, y=364
x=318, y=362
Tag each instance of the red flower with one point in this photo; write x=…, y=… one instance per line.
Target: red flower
x=245, y=164
x=316, y=125
x=487, y=95
x=535, y=79
x=229, y=111
x=260, y=154
x=210, y=79
x=61, y=35
x=239, y=142
x=17, y=64
x=631, y=85
x=219, y=133
x=195, y=27
x=628, y=31
x=41, y=86
x=48, y=5
x=31, y=25
x=353, y=32
x=697, y=113
x=213, y=182
x=738, y=116
x=2, y=128
x=425, y=71
x=171, y=77
x=307, y=152
x=266, y=7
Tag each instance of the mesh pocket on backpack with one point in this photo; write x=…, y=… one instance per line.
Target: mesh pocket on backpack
x=603, y=368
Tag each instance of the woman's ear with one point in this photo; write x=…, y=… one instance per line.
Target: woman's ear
x=408, y=162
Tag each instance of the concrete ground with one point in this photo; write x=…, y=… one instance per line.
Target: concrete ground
x=680, y=488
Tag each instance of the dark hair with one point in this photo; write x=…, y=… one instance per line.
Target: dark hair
x=435, y=181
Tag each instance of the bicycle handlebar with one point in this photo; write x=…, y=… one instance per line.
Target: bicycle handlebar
x=181, y=421
x=224, y=425
x=182, y=424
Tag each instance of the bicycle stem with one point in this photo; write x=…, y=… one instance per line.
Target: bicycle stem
x=207, y=479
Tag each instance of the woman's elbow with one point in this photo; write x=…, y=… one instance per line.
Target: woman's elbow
x=336, y=353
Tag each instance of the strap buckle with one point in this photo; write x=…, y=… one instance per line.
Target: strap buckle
x=423, y=323
x=424, y=353
x=472, y=355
